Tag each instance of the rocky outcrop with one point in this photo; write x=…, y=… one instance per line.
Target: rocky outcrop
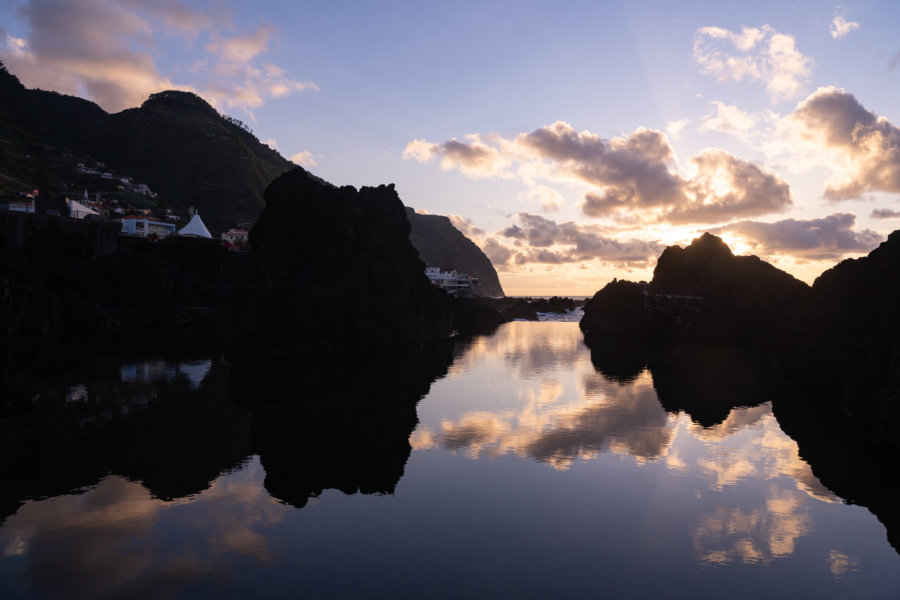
x=700, y=294
x=839, y=341
x=849, y=338
x=442, y=245
x=335, y=275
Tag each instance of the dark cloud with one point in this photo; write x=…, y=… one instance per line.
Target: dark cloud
x=469, y=155
x=106, y=50
x=548, y=242
x=885, y=213
x=816, y=239
x=630, y=176
x=634, y=168
x=869, y=145
x=498, y=254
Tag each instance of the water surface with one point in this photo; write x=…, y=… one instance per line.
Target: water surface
x=529, y=474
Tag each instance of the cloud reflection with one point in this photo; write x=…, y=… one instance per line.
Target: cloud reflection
x=759, y=535
x=117, y=539
x=561, y=410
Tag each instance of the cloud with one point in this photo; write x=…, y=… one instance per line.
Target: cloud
x=884, y=213
x=674, y=128
x=106, y=50
x=465, y=226
x=624, y=177
x=728, y=119
x=762, y=55
x=864, y=148
x=727, y=187
x=828, y=238
x=840, y=26
x=304, y=158
x=475, y=158
x=540, y=240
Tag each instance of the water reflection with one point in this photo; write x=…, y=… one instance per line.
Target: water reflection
x=521, y=468
x=165, y=423
x=567, y=411
x=117, y=539
x=761, y=534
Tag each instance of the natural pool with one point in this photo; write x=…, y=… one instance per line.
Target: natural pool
x=530, y=475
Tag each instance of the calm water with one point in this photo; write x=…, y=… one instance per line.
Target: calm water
x=530, y=475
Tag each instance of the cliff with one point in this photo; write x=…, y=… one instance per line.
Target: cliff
x=335, y=275
x=440, y=244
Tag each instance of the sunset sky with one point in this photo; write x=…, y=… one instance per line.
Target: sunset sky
x=571, y=140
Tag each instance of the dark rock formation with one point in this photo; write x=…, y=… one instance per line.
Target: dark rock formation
x=335, y=275
x=847, y=339
x=828, y=356
x=528, y=308
x=699, y=295
x=440, y=244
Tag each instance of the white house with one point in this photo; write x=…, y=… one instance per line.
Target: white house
x=450, y=281
x=145, y=227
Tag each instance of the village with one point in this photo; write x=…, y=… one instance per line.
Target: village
x=119, y=198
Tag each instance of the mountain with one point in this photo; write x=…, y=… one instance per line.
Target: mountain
x=440, y=244
x=39, y=131
x=175, y=143
x=190, y=155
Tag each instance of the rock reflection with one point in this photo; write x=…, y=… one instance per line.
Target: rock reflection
x=169, y=424
x=344, y=426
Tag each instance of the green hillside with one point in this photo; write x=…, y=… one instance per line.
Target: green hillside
x=190, y=155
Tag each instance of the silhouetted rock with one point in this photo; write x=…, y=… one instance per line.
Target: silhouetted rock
x=335, y=275
x=849, y=338
x=616, y=313
x=440, y=244
x=524, y=308
x=699, y=295
x=740, y=298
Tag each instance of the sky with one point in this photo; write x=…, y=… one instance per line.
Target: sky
x=572, y=141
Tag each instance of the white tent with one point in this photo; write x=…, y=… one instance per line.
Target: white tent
x=196, y=228
x=77, y=210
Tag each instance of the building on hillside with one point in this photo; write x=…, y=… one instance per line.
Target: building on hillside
x=146, y=227
x=235, y=236
x=22, y=204
x=451, y=281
